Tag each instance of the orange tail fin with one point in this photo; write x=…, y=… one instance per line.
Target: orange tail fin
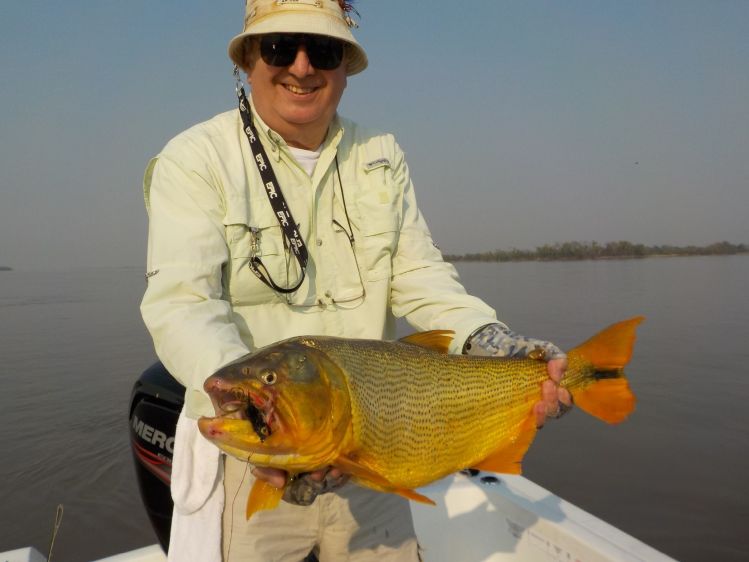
x=608, y=398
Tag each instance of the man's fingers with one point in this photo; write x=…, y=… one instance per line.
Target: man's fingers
x=277, y=478
x=273, y=476
x=550, y=396
x=336, y=473
x=555, y=401
x=329, y=473
x=556, y=369
x=539, y=409
x=318, y=475
x=548, y=404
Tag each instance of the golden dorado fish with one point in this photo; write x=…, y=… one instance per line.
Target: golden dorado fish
x=399, y=415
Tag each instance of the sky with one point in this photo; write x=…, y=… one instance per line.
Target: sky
x=524, y=122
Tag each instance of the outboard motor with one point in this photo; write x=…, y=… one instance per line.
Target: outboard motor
x=155, y=404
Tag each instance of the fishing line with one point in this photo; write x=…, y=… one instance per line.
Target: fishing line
x=234, y=499
x=55, y=529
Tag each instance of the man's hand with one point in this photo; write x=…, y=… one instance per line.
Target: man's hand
x=555, y=400
x=273, y=476
x=303, y=488
x=499, y=341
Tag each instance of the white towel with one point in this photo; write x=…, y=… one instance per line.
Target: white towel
x=198, y=494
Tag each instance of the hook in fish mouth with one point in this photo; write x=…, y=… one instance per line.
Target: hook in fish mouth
x=259, y=424
x=257, y=408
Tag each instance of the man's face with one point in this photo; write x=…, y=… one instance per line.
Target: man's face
x=297, y=101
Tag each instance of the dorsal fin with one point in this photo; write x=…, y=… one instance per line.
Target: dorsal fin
x=435, y=340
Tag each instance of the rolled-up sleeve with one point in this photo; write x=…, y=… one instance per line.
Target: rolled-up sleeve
x=426, y=290
x=183, y=309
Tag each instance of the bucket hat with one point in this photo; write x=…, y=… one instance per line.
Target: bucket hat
x=318, y=17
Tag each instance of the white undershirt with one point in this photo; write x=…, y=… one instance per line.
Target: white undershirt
x=307, y=158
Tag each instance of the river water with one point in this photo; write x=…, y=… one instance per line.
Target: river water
x=674, y=475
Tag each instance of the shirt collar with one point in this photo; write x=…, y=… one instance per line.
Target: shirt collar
x=271, y=138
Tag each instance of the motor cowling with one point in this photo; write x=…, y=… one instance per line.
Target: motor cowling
x=155, y=404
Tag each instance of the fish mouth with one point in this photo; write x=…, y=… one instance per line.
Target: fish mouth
x=254, y=406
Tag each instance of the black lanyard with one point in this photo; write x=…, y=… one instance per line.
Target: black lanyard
x=277, y=202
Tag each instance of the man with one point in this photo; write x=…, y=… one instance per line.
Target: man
x=283, y=219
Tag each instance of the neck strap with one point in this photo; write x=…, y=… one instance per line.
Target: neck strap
x=292, y=238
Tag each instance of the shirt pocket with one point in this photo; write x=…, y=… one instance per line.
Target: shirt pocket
x=378, y=226
x=263, y=240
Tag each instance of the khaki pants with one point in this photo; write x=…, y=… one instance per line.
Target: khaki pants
x=353, y=523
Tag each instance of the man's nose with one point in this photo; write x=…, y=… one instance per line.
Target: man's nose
x=301, y=65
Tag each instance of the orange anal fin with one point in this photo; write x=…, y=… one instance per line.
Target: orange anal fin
x=434, y=340
x=370, y=478
x=508, y=458
x=610, y=400
x=262, y=496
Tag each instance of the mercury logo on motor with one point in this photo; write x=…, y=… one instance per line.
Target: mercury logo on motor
x=152, y=435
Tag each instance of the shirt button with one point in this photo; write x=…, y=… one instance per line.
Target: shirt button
x=318, y=241
x=328, y=294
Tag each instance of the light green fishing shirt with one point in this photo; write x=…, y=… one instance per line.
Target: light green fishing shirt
x=209, y=214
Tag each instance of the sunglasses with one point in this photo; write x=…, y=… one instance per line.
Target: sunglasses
x=280, y=49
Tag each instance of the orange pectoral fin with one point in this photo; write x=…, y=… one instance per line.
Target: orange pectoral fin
x=360, y=472
x=413, y=495
x=373, y=480
x=262, y=496
x=508, y=459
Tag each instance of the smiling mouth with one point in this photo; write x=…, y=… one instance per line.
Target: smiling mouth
x=299, y=90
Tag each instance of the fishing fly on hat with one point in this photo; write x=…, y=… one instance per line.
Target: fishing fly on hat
x=318, y=17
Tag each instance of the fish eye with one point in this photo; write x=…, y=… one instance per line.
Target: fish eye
x=269, y=377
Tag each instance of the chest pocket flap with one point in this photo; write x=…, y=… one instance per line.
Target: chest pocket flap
x=378, y=218
x=255, y=234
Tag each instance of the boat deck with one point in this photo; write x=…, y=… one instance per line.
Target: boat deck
x=485, y=518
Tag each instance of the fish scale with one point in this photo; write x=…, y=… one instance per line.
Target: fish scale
x=399, y=415
x=416, y=412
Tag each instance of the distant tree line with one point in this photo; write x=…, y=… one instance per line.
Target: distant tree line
x=595, y=251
